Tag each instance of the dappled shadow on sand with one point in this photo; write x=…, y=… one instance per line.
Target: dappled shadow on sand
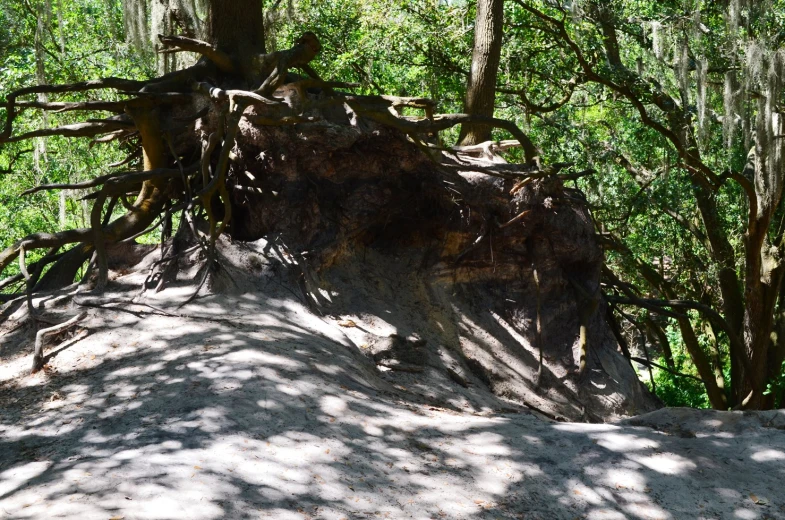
x=251, y=407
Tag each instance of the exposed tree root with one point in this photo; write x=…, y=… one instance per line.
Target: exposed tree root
x=587, y=303
x=188, y=171
x=38, y=353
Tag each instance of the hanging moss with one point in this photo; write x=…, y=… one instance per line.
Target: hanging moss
x=702, y=67
x=136, y=27
x=731, y=107
x=656, y=40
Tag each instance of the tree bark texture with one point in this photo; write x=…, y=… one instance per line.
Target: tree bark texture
x=481, y=87
x=237, y=26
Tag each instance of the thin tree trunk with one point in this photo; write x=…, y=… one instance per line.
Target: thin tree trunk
x=662, y=339
x=701, y=361
x=481, y=87
x=716, y=355
x=699, y=358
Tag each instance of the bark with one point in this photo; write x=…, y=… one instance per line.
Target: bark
x=481, y=86
x=237, y=26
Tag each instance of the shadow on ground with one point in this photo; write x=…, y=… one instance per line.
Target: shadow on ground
x=251, y=406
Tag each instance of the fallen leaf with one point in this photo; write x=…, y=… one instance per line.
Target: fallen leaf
x=197, y=467
x=754, y=498
x=117, y=518
x=577, y=492
x=347, y=323
x=327, y=451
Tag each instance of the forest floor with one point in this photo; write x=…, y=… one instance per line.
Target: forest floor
x=251, y=406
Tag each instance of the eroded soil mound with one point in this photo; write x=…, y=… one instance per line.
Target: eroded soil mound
x=246, y=404
x=462, y=266
x=454, y=274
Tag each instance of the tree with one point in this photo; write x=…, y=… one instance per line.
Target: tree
x=182, y=129
x=685, y=78
x=235, y=29
x=481, y=84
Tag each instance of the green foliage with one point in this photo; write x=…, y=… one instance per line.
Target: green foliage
x=776, y=387
x=80, y=42
x=676, y=390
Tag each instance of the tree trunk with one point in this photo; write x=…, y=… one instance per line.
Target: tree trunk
x=237, y=26
x=481, y=87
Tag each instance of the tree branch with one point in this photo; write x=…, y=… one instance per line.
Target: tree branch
x=221, y=60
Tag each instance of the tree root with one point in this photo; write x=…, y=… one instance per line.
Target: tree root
x=38, y=353
x=223, y=61
x=146, y=119
x=587, y=303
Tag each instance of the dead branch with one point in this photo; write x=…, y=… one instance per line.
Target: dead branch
x=397, y=101
x=135, y=154
x=245, y=96
x=149, y=202
x=121, y=84
x=11, y=280
x=520, y=216
x=278, y=63
x=223, y=61
x=440, y=122
x=489, y=149
x=39, y=241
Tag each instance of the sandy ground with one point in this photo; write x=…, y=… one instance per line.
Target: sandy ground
x=250, y=406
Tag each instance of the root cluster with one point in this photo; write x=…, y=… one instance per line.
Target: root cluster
x=182, y=170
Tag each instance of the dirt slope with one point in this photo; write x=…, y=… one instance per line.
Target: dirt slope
x=247, y=403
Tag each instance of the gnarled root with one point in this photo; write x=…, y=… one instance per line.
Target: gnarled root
x=153, y=118
x=38, y=353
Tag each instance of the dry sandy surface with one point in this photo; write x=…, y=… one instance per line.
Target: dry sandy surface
x=250, y=406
